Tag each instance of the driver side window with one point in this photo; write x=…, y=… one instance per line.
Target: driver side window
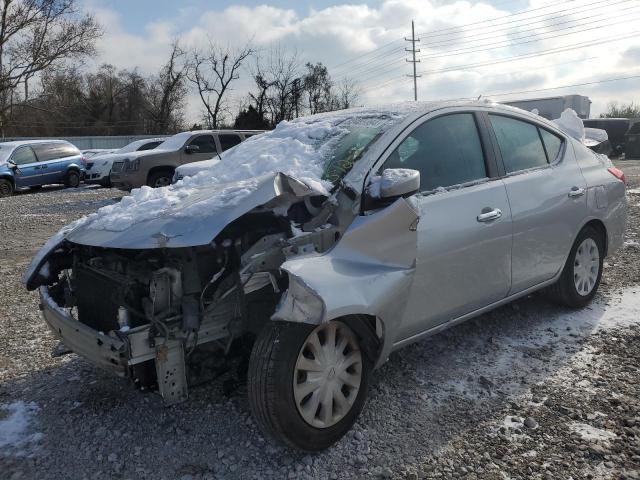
x=445, y=150
x=206, y=144
x=23, y=156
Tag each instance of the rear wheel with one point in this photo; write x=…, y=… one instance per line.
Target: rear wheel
x=307, y=384
x=581, y=275
x=73, y=179
x=160, y=179
x=6, y=188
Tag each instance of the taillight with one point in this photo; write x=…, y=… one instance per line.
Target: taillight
x=619, y=174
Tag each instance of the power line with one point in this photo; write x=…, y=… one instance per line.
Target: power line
x=393, y=42
x=374, y=69
x=541, y=53
x=472, y=39
x=530, y=39
x=413, y=51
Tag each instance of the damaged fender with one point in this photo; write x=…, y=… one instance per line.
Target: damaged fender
x=368, y=272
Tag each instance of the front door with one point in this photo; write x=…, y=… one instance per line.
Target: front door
x=28, y=171
x=464, y=234
x=206, y=149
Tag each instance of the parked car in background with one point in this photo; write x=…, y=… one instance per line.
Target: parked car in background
x=33, y=163
x=87, y=154
x=156, y=168
x=632, y=142
x=616, y=129
x=99, y=167
x=328, y=243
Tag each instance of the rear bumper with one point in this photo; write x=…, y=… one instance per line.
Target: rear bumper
x=100, y=349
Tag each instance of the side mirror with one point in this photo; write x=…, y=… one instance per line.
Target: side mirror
x=192, y=149
x=12, y=164
x=395, y=183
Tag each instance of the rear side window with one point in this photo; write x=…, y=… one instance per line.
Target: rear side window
x=149, y=146
x=206, y=143
x=53, y=151
x=552, y=144
x=520, y=143
x=227, y=141
x=446, y=151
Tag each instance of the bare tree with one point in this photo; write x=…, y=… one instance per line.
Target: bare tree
x=347, y=94
x=212, y=73
x=616, y=110
x=283, y=70
x=166, y=93
x=36, y=35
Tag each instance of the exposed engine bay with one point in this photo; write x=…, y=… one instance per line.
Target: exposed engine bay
x=162, y=304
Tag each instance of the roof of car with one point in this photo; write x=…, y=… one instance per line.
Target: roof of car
x=18, y=143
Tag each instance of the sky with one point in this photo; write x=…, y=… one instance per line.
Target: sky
x=503, y=49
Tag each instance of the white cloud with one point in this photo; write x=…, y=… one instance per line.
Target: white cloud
x=339, y=33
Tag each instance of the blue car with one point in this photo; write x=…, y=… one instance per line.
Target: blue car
x=33, y=163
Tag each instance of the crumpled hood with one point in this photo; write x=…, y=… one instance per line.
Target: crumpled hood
x=192, y=222
x=186, y=222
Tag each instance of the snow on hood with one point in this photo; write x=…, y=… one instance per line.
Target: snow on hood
x=243, y=179
x=571, y=124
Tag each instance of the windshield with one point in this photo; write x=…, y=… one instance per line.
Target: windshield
x=349, y=150
x=131, y=147
x=176, y=142
x=5, y=153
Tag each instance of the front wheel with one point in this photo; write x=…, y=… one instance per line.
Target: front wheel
x=160, y=179
x=581, y=275
x=307, y=384
x=6, y=188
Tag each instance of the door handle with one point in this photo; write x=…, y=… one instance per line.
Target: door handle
x=576, y=192
x=44, y=166
x=488, y=215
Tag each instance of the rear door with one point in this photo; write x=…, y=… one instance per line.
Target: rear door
x=55, y=159
x=464, y=233
x=27, y=173
x=228, y=140
x=546, y=192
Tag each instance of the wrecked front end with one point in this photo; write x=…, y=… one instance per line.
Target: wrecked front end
x=143, y=312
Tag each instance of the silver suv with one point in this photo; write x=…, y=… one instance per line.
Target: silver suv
x=155, y=167
x=328, y=243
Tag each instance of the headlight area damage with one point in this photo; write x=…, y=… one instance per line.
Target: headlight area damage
x=299, y=257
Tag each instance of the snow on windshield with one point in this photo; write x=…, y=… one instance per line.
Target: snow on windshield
x=300, y=148
x=175, y=142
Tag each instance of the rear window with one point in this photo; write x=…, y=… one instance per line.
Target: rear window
x=520, y=143
x=53, y=151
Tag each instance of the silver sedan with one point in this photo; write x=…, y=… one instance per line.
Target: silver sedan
x=328, y=243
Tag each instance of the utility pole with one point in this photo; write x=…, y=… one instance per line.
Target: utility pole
x=413, y=50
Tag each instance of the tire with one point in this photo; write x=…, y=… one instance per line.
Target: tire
x=273, y=366
x=160, y=179
x=6, y=187
x=72, y=179
x=578, y=282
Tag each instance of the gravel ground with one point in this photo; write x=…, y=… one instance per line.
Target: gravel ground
x=529, y=390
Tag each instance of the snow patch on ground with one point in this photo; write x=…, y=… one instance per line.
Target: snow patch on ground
x=592, y=434
x=633, y=191
x=16, y=428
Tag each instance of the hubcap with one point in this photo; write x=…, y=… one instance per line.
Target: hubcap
x=327, y=375
x=586, y=266
x=163, y=182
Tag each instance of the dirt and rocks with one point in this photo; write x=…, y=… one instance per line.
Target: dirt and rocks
x=530, y=390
